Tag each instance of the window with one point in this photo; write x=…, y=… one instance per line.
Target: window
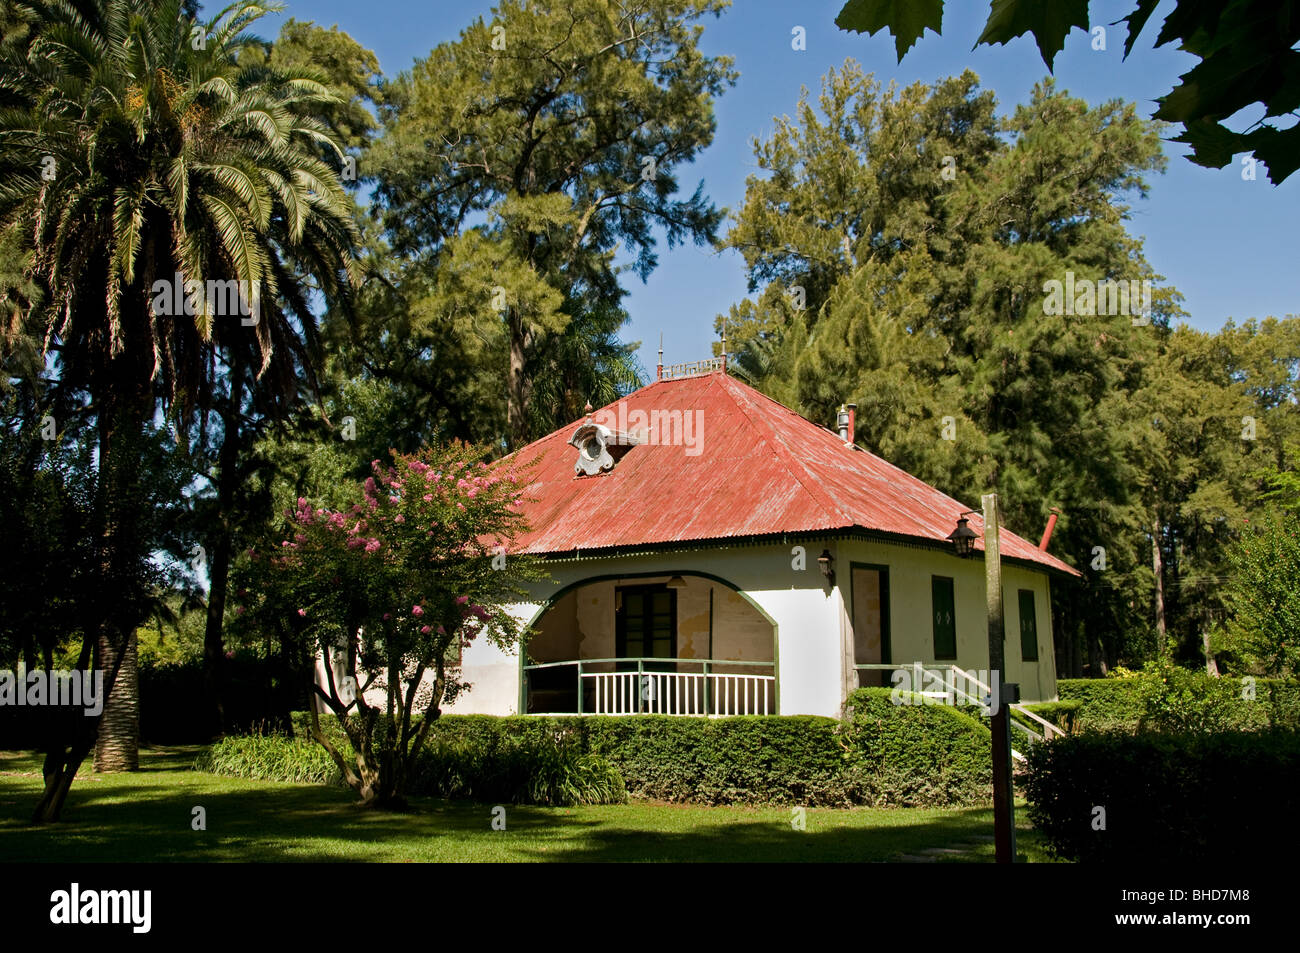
x=945, y=618
x=646, y=622
x=1028, y=627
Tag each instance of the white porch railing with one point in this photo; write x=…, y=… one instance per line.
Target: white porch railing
x=648, y=690
x=681, y=693
x=955, y=686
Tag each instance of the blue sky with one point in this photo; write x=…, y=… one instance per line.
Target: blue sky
x=1227, y=244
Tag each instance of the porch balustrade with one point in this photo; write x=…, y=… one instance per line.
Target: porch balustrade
x=657, y=686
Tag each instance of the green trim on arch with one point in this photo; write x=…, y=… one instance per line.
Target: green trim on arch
x=608, y=577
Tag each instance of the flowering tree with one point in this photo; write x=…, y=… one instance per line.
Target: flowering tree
x=392, y=587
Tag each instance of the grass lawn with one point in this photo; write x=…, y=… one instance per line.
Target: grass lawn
x=146, y=816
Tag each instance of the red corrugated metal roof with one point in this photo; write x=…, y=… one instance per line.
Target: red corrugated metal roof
x=762, y=470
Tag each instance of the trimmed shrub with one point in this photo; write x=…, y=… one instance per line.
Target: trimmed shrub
x=884, y=754
x=743, y=760
x=1062, y=714
x=917, y=754
x=1105, y=704
x=1167, y=797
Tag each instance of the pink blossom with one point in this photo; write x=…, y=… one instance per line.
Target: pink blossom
x=239, y=610
x=425, y=630
x=441, y=630
x=428, y=497
x=372, y=546
x=387, y=616
x=399, y=518
x=417, y=611
x=302, y=612
x=394, y=500
x=461, y=600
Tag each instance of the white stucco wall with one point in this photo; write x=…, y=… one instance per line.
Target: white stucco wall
x=814, y=651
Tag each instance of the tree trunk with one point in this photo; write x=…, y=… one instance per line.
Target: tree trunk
x=219, y=568
x=121, y=426
x=1157, y=568
x=515, y=429
x=1211, y=667
x=118, y=747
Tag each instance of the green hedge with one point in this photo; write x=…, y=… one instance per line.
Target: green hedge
x=1167, y=798
x=883, y=754
x=1168, y=699
x=1062, y=714
x=1104, y=704
x=917, y=754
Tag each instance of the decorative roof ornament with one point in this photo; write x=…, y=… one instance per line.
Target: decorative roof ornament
x=599, y=448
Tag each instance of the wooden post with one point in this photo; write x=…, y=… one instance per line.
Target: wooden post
x=1004, y=803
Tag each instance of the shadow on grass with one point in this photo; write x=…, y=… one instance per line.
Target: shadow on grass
x=147, y=816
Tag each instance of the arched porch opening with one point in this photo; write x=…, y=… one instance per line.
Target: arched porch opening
x=684, y=643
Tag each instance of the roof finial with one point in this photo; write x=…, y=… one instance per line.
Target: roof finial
x=587, y=410
x=724, y=344
x=659, y=371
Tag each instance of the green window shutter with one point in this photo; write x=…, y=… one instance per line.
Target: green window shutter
x=945, y=618
x=1028, y=627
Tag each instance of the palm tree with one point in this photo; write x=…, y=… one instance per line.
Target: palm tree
x=135, y=150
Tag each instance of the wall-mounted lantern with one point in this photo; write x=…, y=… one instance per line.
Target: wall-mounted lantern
x=963, y=537
x=827, y=563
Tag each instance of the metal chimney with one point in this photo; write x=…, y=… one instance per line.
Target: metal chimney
x=846, y=422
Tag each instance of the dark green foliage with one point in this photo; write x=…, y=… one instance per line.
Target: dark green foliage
x=1169, y=797
x=258, y=692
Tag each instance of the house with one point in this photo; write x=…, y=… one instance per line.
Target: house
x=712, y=552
